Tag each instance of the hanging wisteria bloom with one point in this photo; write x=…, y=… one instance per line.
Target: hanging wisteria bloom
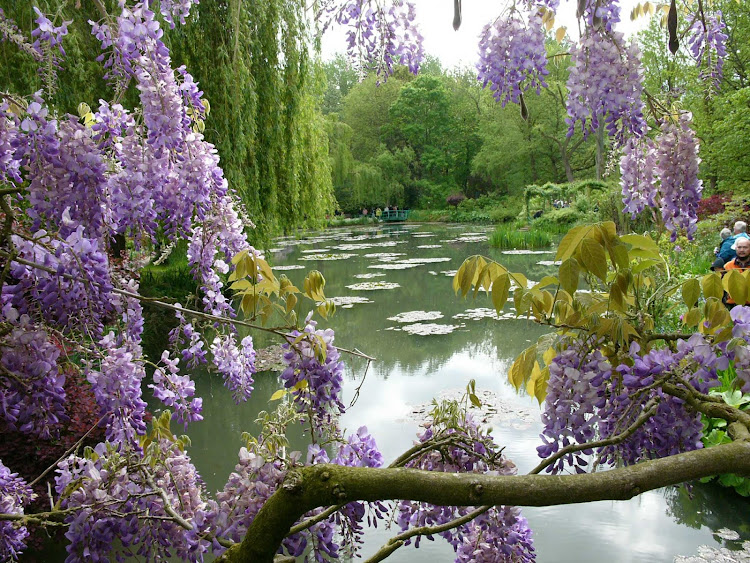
x=14, y=494
x=605, y=86
x=663, y=174
x=707, y=44
x=512, y=57
x=637, y=166
x=378, y=37
x=677, y=168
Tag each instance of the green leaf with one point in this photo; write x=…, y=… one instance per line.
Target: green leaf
x=692, y=317
x=712, y=286
x=500, y=289
x=594, y=258
x=570, y=273
x=643, y=242
x=522, y=367
x=570, y=242
x=475, y=400
x=545, y=281
x=736, y=285
x=691, y=291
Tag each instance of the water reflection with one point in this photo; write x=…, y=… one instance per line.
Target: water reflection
x=412, y=369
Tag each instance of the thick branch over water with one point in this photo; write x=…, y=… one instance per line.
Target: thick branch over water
x=323, y=485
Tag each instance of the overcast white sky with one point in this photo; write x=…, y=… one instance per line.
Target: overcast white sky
x=435, y=19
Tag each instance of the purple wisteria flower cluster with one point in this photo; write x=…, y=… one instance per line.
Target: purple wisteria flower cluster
x=79, y=300
x=512, y=57
x=663, y=174
x=499, y=534
x=605, y=86
x=106, y=485
x=378, y=37
x=707, y=44
x=589, y=400
x=32, y=398
x=741, y=354
x=637, y=166
x=314, y=359
x=175, y=390
x=677, y=169
x=14, y=494
x=235, y=363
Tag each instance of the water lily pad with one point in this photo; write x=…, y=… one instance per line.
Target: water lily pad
x=372, y=286
x=522, y=252
x=289, y=267
x=473, y=238
x=314, y=251
x=329, y=256
x=385, y=256
x=364, y=245
x=549, y=262
x=727, y=534
x=423, y=235
x=477, y=314
x=416, y=316
x=425, y=260
x=347, y=302
x=427, y=246
x=427, y=329
x=394, y=266
x=449, y=273
x=369, y=276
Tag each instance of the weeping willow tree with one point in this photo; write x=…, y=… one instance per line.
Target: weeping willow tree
x=254, y=62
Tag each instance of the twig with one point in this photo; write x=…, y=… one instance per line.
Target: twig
x=169, y=306
x=648, y=412
x=69, y=450
x=397, y=541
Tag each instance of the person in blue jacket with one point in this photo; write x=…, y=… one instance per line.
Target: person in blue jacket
x=725, y=250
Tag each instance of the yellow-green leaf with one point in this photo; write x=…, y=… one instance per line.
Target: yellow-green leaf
x=712, y=286
x=594, y=258
x=570, y=242
x=500, y=289
x=691, y=291
x=692, y=317
x=736, y=286
x=278, y=394
x=546, y=281
x=570, y=273
x=522, y=367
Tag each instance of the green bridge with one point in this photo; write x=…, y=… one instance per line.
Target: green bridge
x=392, y=215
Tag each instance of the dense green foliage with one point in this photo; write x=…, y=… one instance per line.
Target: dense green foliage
x=261, y=79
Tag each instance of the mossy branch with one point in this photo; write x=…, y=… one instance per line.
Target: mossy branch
x=323, y=485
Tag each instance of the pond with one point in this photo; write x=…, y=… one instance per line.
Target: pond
x=396, y=303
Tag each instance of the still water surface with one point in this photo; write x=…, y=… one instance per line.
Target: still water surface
x=413, y=368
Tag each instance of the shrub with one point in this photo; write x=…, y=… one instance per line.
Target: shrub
x=455, y=199
x=712, y=205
